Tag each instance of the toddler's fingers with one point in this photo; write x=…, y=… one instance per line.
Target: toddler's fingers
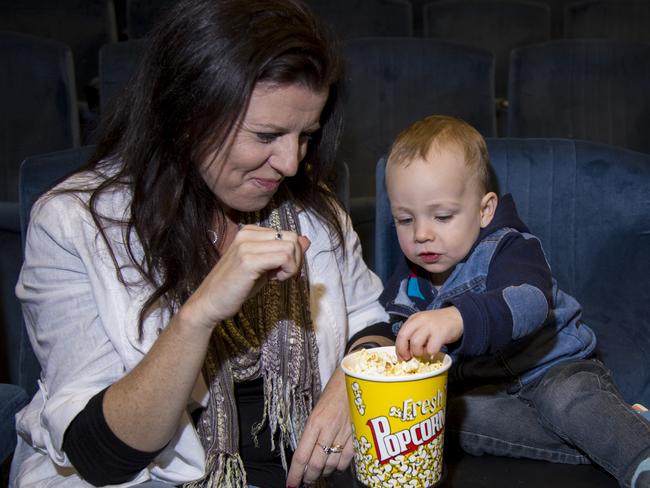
x=433, y=347
x=402, y=345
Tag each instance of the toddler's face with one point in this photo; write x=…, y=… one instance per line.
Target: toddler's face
x=438, y=209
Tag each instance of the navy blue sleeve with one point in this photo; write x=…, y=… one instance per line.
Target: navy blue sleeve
x=516, y=301
x=382, y=329
x=98, y=455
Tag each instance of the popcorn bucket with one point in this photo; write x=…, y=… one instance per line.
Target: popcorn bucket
x=397, y=420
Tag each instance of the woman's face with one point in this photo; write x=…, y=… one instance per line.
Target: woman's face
x=266, y=147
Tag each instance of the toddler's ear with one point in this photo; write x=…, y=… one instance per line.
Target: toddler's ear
x=488, y=207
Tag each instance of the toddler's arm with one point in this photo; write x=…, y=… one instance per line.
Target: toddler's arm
x=515, y=303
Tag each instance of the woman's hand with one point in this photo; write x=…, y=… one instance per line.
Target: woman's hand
x=255, y=256
x=328, y=425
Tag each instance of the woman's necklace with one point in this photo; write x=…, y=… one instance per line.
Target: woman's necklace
x=213, y=236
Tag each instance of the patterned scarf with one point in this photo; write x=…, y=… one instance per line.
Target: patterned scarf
x=273, y=337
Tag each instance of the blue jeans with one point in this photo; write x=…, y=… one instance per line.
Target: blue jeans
x=574, y=414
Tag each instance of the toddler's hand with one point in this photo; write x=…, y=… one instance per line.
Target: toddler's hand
x=424, y=333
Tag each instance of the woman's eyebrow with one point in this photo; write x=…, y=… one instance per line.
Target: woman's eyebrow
x=271, y=127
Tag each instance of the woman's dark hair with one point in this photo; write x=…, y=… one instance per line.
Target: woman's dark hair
x=191, y=90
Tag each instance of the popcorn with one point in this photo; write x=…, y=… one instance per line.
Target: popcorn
x=385, y=363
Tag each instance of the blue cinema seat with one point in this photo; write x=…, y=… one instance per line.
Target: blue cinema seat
x=117, y=63
x=590, y=205
x=591, y=89
x=496, y=25
x=391, y=82
x=12, y=392
x=608, y=19
x=11, y=257
x=84, y=25
x=142, y=15
x=558, y=7
x=39, y=106
x=366, y=18
x=12, y=399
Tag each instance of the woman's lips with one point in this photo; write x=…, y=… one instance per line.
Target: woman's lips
x=429, y=257
x=267, y=185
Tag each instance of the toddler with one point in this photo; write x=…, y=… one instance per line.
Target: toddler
x=476, y=285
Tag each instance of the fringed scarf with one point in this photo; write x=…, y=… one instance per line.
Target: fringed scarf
x=273, y=337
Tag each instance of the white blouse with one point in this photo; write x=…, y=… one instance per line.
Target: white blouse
x=82, y=323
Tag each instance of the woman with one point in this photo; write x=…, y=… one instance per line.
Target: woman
x=190, y=293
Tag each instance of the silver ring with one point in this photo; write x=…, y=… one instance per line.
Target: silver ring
x=278, y=236
x=333, y=449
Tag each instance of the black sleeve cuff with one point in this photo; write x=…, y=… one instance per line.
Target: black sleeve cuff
x=382, y=329
x=99, y=456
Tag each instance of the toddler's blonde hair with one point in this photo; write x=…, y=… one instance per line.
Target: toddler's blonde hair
x=417, y=140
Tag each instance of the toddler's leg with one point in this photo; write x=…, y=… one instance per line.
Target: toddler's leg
x=580, y=402
x=488, y=420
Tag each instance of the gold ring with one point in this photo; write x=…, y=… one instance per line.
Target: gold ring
x=333, y=449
